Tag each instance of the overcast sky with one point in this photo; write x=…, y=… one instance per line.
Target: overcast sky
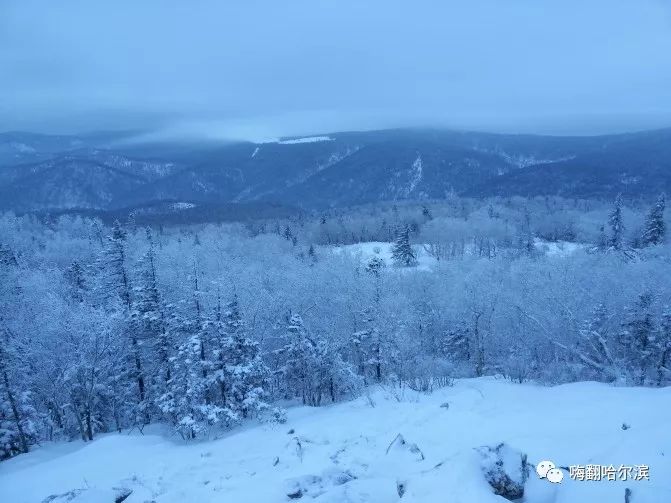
x=255, y=69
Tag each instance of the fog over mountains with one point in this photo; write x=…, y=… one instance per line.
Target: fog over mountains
x=105, y=172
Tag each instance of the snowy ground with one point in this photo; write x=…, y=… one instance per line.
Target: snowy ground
x=558, y=248
x=343, y=455
x=425, y=262
x=366, y=251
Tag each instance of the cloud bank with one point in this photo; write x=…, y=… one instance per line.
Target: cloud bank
x=258, y=69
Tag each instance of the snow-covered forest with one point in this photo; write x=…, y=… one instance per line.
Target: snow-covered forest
x=341, y=252
x=114, y=327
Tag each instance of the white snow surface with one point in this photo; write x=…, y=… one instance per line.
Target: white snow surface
x=425, y=262
x=308, y=139
x=182, y=206
x=366, y=251
x=23, y=148
x=558, y=248
x=345, y=453
x=415, y=173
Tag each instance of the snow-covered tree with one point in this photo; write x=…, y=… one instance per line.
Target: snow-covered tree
x=455, y=345
x=84, y=311
x=426, y=213
x=7, y=256
x=312, y=369
x=596, y=346
x=654, y=230
x=374, y=352
x=526, y=235
x=312, y=254
x=149, y=324
x=17, y=415
x=637, y=340
x=89, y=368
x=663, y=343
x=114, y=286
x=244, y=373
x=17, y=428
x=114, y=282
x=75, y=276
x=616, y=225
x=335, y=378
x=402, y=252
x=299, y=359
x=186, y=400
x=375, y=266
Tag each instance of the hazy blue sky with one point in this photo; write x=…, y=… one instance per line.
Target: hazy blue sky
x=257, y=68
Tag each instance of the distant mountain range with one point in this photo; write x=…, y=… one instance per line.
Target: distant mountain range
x=100, y=172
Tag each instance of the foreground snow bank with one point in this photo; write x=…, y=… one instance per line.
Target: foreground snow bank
x=351, y=452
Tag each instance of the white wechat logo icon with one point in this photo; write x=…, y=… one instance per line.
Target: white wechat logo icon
x=555, y=475
x=548, y=470
x=543, y=468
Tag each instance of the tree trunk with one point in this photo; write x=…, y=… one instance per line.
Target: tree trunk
x=80, y=423
x=89, y=426
x=23, y=441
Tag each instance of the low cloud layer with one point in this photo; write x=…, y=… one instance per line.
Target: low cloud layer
x=259, y=69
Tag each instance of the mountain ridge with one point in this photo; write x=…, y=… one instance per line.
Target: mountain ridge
x=41, y=172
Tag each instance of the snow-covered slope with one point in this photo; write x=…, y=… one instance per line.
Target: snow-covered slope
x=309, y=139
x=369, y=250
x=341, y=453
x=365, y=252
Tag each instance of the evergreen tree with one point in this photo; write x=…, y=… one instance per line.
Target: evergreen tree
x=299, y=356
x=664, y=349
x=247, y=374
x=313, y=369
x=456, y=343
x=312, y=253
x=149, y=322
x=186, y=400
x=368, y=349
x=602, y=240
x=375, y=266
x=7, y=257
x=526, y=235
x=219, y=342
x=197, y=324
x=402, y=252
x=17, y=416
x=116, y=288
x=115, y=282
x=17, y=430
x=75, y=277
x=426, y=213
x=335, y=378
x=616, y=225
x=637, y=340
x=374, y=353
x=654, y=231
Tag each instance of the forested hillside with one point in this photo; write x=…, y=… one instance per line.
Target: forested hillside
x=117, y=172
x=107, y=328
